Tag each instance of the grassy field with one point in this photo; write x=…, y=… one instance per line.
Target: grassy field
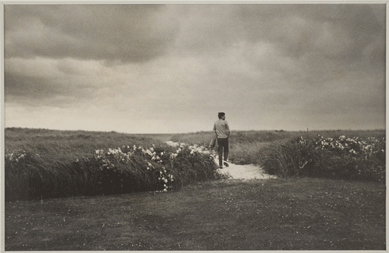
x=65, y=146
x=280, y=214
x=297, y=211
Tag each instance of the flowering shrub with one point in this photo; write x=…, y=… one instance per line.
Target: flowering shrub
x=341, y=157
x=129, y=168
x=14, y=157
x=133, y=167
x=363, y=148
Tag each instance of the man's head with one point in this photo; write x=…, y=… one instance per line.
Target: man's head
x=221, y=115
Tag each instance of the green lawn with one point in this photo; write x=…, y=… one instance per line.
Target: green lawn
x=279, y=214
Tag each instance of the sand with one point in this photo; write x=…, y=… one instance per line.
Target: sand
x=247, y=171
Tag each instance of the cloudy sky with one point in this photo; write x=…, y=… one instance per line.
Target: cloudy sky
x=171, y=68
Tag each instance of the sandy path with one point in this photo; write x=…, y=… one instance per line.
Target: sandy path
x=247, y=171
x=234, y=171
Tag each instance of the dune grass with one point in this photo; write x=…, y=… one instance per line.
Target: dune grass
x=244, y=145
x=277, y=214
x=272, y=149
x=65, y=146
x=43, y=164
x=355, y=158
x=244, y=137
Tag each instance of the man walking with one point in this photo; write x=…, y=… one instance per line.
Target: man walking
x=222, y=131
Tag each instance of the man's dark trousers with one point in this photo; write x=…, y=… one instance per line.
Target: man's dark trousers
x=223, y=145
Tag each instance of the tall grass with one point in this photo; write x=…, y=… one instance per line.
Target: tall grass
x=43, y=163
x=281, y=153
x=48, y=163
x=65, y=146
x=200, y=138
x=236, y=137
x=244, y=145
x=341, y=157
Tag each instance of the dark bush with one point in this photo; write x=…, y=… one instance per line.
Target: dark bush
x=345, y=158
x=109, y=171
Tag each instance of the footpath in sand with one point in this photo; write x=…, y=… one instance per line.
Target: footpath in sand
x=247, y=171
x=234, y=171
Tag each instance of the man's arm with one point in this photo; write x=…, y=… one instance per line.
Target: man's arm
x=227, y=130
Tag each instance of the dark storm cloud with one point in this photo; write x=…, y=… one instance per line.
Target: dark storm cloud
x=319, y=38
x=133, y=33
x=125, y=33
x=340, y=32
x=37, y=91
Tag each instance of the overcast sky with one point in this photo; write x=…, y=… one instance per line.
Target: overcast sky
x=171, y=68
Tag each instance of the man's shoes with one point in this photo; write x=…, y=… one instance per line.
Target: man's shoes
x=220, y=167
x=226, y=164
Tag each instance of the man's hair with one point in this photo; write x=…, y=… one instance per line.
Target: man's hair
x=221, y=114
